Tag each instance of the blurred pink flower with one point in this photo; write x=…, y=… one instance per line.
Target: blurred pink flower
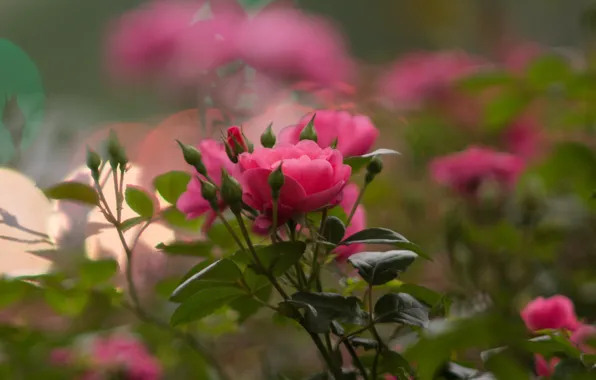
x=355, y=134
x=111, y=355
x=584, y=337
x=465, y=171
x=556, y=312
x=419, y=77
x=524, y=137
x=543, y=367
x=143, y=41
x=358, y=223
x=314, y=179
x=286, y=43
x=517, y=57
x=215, y=159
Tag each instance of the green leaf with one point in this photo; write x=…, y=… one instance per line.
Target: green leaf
x=392, y=362
x=73, y=191
x=94, y=272
x=220, y=236
x=379, y=235
x=12, y=291
x=547, y=70
x=322, y=308
x=486, y=80
x=401, y=308
x=139, y=201
x=334, y=230
x=171, y=185
x=571, y=369
x=378, y=268
x=423, y=294
x=279, y=257
x=359, y=162
x=204, y=303
x=223, y=272
x=69, y=302
x=176, y=218
x=247, y=306
x=551, y=346
x=199, y=248
x=130, y=223
x=503, y=109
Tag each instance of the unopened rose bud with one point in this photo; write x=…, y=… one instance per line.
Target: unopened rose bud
x=374, y=167
x=116, y=154
x=230, y=153
x=192, y=156
x=276, y=181
x=93, y=163
x=231, y=192
x=236, y=140
x=209, y=193
x=309, y=133
x=268, y=138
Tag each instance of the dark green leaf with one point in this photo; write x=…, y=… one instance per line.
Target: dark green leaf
x=553, y=345
x=139, y=201
x=171, y=185
x=279, y=257
x=401, y=308
x=322, y=308
x=69, y=302
x=199, y=248
x=223, y=272
x=379, y=235
x=98, y=271
x=393, y=363
x=130, y=223
x=367, y=344
x=12, y=291
x=73, y=191
x=423, y=294
x=358, y=162
x=571, y=369
x=378, y=268
x=247, y=306
x=204, y=303
x=334, y=230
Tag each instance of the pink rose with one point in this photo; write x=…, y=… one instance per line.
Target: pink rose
x=143, y=41
x=465, y=171
x=286, y=43
x=358, y=222
x=418, y=77
x=556, y=312
x=524, y=137
x=314, y=178
x=355, y=134
x=543, y=367
x=191, y=202
x=584, y=337
x=127, y=354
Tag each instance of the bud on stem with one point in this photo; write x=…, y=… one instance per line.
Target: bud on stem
x=276, y=181
x=309, y=132
x=231, y=192
x=374, y=167
x=268, y=138
x=93, y=163
x=209, y=193
x=192, y=156
x=116, y=153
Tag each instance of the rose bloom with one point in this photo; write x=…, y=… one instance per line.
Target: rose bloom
x=358, y=222
x=524, y=137
x=465, y=171
x=143, y=42
x=313, y=179
x=355, y=134
x=286, y=43
x=419, y=77
x=556, y=312
x=191, y=202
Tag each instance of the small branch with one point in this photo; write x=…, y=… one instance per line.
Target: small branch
x=358, y=200
x=315, y=272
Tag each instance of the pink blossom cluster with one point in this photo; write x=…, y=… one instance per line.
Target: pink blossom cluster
x=165, y=39
x=315, y=175
x=558, y=313
x=110, y=356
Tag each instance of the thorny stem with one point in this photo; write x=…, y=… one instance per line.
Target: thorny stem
x=258, y=261
x=314, y=276
x=136, y=307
